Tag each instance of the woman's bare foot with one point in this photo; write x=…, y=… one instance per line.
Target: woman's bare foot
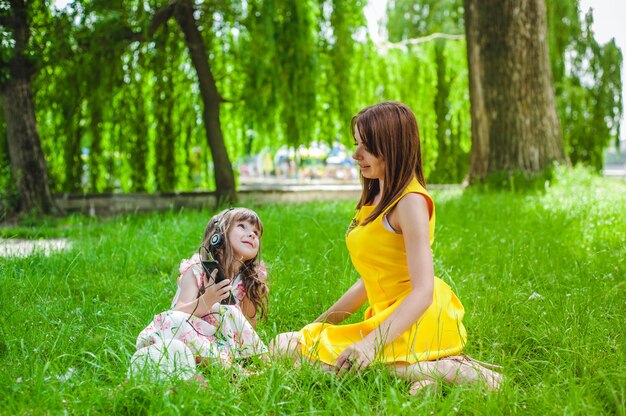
x=465, y=369
x=422, y=386
x=459, y=369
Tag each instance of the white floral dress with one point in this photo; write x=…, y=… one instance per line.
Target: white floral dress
x=225, y=334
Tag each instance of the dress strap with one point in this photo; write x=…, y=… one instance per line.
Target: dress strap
x=413, y=187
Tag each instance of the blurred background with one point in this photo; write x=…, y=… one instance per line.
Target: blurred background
x=155, y=96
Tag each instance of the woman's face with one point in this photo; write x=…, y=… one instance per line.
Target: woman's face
x=372, y=167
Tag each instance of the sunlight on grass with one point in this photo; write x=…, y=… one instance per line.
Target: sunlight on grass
x=541, y=276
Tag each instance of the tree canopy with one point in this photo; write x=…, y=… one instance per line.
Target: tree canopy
x=119, y=104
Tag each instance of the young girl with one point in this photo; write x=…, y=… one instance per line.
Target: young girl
x=208, y=321
x=414, y=321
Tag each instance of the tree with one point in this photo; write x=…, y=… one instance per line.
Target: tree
x=183, y=11
x=515, y=128
x=17, y=67
x=262, y=56
x=282, y=69
x=587, y=82
x=408, y=19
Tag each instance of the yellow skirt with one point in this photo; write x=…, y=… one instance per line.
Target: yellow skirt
x=438, y=333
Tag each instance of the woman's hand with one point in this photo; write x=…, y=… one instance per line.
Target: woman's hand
x=356, y=357
x=215, y=292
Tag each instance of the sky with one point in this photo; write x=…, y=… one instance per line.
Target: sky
x=608, y=15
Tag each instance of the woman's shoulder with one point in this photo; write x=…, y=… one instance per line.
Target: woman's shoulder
x=415, y=186
x=414, y=201
x=413, y=194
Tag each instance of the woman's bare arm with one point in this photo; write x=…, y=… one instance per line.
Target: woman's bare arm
x=349, y=303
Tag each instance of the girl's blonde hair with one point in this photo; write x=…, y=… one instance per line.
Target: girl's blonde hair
x=252, y=275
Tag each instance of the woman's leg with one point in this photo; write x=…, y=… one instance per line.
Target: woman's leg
x=286, y=344
x=421, y=374
x=454, y=370
x=465, y=369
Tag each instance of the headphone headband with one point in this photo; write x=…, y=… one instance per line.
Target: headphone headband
x=217, y=239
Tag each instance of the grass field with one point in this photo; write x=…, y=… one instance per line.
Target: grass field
x=541, y=275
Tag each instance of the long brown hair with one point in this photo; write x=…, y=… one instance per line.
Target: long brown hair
x=389, y=131
x=251, y=271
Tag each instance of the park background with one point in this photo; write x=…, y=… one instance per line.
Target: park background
x=148, y=97
x=111, y=98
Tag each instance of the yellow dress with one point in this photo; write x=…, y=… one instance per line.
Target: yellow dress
x=380, y=258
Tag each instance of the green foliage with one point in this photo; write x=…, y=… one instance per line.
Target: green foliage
x=299, y=71
x=7, y=45
x=540, y=275
x=346, y=21
x=517, y=181
x=117, y=114
x=588, y=84
x=410, y=19
x=446, y=131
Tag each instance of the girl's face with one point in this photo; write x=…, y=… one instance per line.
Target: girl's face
x=244, y=240
x=372, y=167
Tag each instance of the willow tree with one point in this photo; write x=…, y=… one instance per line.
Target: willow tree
x=440, y=21
x=17, y=68
x=587, y=82
x=282, y=69
x=515, y=128
x=346, y=20
x=265, y=71
x=184, y=12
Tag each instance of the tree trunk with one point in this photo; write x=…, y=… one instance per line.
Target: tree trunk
x=28, y=164
x=224, y=178
x=515, y=128
x=444, y=169
x=27, y=161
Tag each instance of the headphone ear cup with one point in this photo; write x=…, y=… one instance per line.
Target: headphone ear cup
x=216, y=240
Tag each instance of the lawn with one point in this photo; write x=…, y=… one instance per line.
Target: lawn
x=541, y=275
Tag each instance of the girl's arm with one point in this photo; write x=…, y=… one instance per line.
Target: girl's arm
x=412, y=219
x=349, y=303
x=190, y=303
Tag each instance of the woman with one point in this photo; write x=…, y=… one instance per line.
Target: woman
x=414, y=320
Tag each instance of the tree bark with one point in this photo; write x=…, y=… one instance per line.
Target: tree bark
x=224, y=178
x=28, y=164
x=515, y=127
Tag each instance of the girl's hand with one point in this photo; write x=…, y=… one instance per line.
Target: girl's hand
x=215, y=293
x=356, y=357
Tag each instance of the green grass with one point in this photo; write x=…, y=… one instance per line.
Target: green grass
x=69, y=321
